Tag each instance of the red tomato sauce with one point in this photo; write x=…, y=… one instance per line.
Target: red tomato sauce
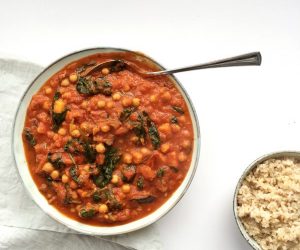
x=111, y=147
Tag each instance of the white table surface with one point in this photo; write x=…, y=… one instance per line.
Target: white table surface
x=243, y=112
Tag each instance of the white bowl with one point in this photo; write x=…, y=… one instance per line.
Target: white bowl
x=41, y=201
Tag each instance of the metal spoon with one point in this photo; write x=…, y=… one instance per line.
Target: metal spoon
x=249, y=59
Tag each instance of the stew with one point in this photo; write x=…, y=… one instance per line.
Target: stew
x=110, y=147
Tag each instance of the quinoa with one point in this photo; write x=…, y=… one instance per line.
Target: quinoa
x=269, y=204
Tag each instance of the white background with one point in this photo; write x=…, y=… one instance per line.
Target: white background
x=243, y=112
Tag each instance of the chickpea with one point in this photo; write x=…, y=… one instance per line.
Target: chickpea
x=105, y=71
x=175, y=128
x=86, y=168
x=166, y=96
x=50, y=134
x=72, y=126
x=136, y=102
x=182, y=119
x=48, y=90
x=54, y=174
x=84, y=194
x=73, y=185
x=164, y=148
x=100, y=148
x=84, y=104
x=134, y=138
x=101, y=104
x=116, y=96
x=126, y=101
x=165, y=128
x=59, y=106
x=115, y=179
x=55, y=137
x=84, y=126
x=65, y=82
x=74, y=195
x=75, y=133
x=127, y=158
x=48, y=167
x=126, y=188
x=105, y=128
x=103, y=209
x=110, y=104
x=126, y=87
x=137, y=157
x=62, y=131
x=153, y=98
x=186, y=144
x=145, y=151
x=73, y=77
x=186, y=133
x=41, y=129
x=46, y=105
x=64, y=178
x=182, y=157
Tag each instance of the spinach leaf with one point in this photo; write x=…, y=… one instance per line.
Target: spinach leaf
x=90, y=152
x=67, y=200
x=160, y=172
x=77, y=146
x=154, y=135
x=140, y=182
x=96, y=196
x=87, y=213
x=48, y=178
x=56, y=96
x=29, y=137
x=126, y=113
x=56, y=160
x=174, y=169
x=73, y=170
x=110, y=161
x=107, y=196
x=139, y=128
x=178, y=109
x=112, y=202
x=144, y=200
x=73, y=173
x=174, y=120
x=152, y=130
x=57, y=118
x=92, y=87
x=73, y=146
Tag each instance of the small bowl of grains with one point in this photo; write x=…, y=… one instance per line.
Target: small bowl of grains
x=267, y=202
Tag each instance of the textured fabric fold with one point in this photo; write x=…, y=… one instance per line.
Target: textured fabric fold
x=20, y=218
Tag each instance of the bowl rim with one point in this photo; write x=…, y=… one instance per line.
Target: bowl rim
x=195, y=125
x=277, y=154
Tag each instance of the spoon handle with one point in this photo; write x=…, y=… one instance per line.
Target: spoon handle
x=253, y=58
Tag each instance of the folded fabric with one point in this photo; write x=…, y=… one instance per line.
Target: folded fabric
x=22, y=223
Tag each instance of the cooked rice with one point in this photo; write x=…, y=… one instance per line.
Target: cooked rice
x=269, y=204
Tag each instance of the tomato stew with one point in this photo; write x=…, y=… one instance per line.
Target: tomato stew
x=110, y=147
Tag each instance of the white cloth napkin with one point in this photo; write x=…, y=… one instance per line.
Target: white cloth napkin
x=22, y=224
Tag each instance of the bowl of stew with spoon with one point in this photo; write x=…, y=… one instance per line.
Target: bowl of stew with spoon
x=103, y=145
x=108, y=151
